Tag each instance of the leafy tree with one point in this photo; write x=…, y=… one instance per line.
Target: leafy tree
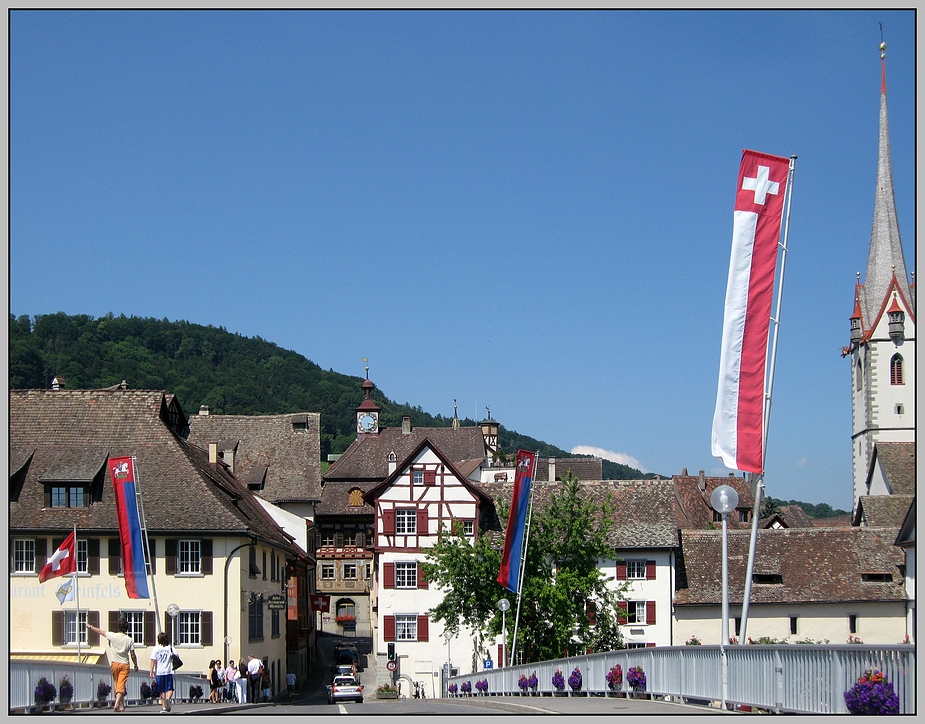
x=562, y=582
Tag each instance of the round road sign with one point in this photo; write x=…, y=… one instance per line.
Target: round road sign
x=391, y=665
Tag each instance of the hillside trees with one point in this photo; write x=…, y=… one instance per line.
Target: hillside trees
x=568, y=604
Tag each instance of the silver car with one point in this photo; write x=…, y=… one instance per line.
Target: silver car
x=345, y=688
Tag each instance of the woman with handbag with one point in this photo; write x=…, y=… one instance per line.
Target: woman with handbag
x=162, y=669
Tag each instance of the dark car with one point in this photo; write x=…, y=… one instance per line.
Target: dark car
x=347, y=657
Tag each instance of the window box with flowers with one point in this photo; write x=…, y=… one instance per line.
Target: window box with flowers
x=386, y=691
x=345, y=619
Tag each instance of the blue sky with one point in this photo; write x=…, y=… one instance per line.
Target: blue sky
x=530, y=211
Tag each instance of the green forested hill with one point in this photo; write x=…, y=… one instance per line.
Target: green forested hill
x=206, y=365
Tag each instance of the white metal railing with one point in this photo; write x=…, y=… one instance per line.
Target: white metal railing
x=793, y=678
x=85, y=678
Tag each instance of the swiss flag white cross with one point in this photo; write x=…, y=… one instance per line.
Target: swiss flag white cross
x=762, y=185
x=58, y=556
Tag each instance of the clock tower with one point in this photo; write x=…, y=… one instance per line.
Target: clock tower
x=368, y=411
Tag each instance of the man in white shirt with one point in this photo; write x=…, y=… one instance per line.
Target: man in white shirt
x=254, y=669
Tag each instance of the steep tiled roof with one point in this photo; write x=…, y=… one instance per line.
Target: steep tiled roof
x=815, y=565
x=335, y=498
x=696, y=511
x=898, y=461
x=268, y=446
x=74, y=431
x=367, y=457
x=877, y=511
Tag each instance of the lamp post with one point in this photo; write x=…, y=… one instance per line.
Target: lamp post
x=449, y=660
x=724, y=500
x=173, y=611
x=503, y=606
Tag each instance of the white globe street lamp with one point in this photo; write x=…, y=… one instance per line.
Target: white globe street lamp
x=503, y=606
x=724, y=500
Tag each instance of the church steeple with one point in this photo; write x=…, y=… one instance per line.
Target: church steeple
x=886, y=252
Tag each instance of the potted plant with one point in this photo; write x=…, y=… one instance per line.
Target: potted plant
x=533, y=683
x=522, y=684
x=482, y=686
x=65, y=691
x=466, y=688
x=452, y=688
x=614, y=678
x=873, y=694
x=693, y=641
x=102, y=692
x=574, y=680
x=387, y=691
x=45, y=692
x=558, y=682
x=636, y=678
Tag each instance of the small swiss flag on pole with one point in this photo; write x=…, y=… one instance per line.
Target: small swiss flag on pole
x=62, y=562
x=320, y=603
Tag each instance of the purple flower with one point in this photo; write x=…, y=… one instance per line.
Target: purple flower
x=872, y=694
x=636, y=677
x=533, y=682
x=466, y=687
x=574, y=679
x=558, y=681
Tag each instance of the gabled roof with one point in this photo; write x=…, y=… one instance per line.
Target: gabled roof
x=906, y=536
x=695, y=503
x=73, y=431
x=268, y=450
x=897, y=460
x=815, y=565
x=335, y=501
x=877, y=511
x=403, y=464
x=367, y=458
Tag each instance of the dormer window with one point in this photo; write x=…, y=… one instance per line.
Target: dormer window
x=67, y=495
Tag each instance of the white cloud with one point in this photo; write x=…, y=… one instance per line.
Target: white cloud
x=615, y=457
x=802, y=462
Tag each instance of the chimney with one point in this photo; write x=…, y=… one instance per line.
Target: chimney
x=683, y=472
x=552, y=470
x=406, y=424
x=702, y=481
x=204, y=410
x=213, y=453
x=57, y=383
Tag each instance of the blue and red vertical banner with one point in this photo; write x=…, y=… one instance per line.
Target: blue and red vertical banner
x=130, y=533
x=511, y=559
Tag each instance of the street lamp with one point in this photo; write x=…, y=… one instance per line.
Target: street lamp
x=503, y=606
x=449, y=659
x=173, y=610
x=724, y=500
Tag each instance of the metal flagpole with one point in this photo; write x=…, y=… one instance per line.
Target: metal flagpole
x=759, y=480
x=144, y=528
x=77, y=596
x=523, y=559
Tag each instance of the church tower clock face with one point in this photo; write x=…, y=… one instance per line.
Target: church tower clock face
x=366, y=422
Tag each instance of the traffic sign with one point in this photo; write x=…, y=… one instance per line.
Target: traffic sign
x=391, y=665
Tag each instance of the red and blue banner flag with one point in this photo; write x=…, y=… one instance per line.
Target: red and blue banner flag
x=133, y=556
x=511, y=559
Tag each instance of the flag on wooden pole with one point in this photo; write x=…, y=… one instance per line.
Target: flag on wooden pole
x=738, y=422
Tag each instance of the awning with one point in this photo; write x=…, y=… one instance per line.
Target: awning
x=85, y=658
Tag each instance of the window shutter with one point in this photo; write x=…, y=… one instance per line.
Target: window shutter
x=650, y=570
x=388, y=628
x=621, y=570
x=422, y=577
x=41, y=554
x=423, y=628
x=113, y=620
x=205, y=556
x=170, y=556
x=153, y=555
x=93, y=556
x=150, y=626
x=361, y=540
x=93, y=618
x=621, y=616
x=338, y=540
x=422, y=521
x=205, y=628
x=115, y=556
x=57, y=628
x=650, y=611
x=388, y=575
x=430, y=477
x=168, y=626
x=388, y=522
x=317, y=541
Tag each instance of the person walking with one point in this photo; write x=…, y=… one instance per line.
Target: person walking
x=254, y=668
x=240, y=683
x=290, y=684
x=231, y=674
x=121, y=647
x=265, y=683
x=213, y=682
x=162, y=670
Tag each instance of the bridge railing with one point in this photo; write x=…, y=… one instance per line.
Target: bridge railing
x=792, y=678
x=85, y=678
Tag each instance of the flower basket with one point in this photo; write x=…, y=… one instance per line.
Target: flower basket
x=636, y=678
x=102, y=693
x=574, y=680
x=614, y=678
x=482, y=686
x=453, y=689
x=533, y=683
x=873, y=694
x=45, y=692
x=558, y=682
x=466, y=688
x=65, y=692
x=522, y=684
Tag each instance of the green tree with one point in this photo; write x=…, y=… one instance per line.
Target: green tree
x=567, y=603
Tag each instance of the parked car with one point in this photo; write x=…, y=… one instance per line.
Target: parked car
x=345, y=688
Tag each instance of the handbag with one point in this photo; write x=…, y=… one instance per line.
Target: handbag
x=175, y=661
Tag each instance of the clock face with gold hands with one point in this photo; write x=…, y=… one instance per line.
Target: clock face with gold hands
x=366, y=422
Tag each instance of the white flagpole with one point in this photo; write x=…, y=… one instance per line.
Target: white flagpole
x=77, y=596
x=523, y=560
x=759, y=481
x=146, y=549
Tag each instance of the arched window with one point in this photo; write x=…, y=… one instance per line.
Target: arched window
x=896, y=370
x=860, y=376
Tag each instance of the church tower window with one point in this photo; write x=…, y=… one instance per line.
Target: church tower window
x=896, y=370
